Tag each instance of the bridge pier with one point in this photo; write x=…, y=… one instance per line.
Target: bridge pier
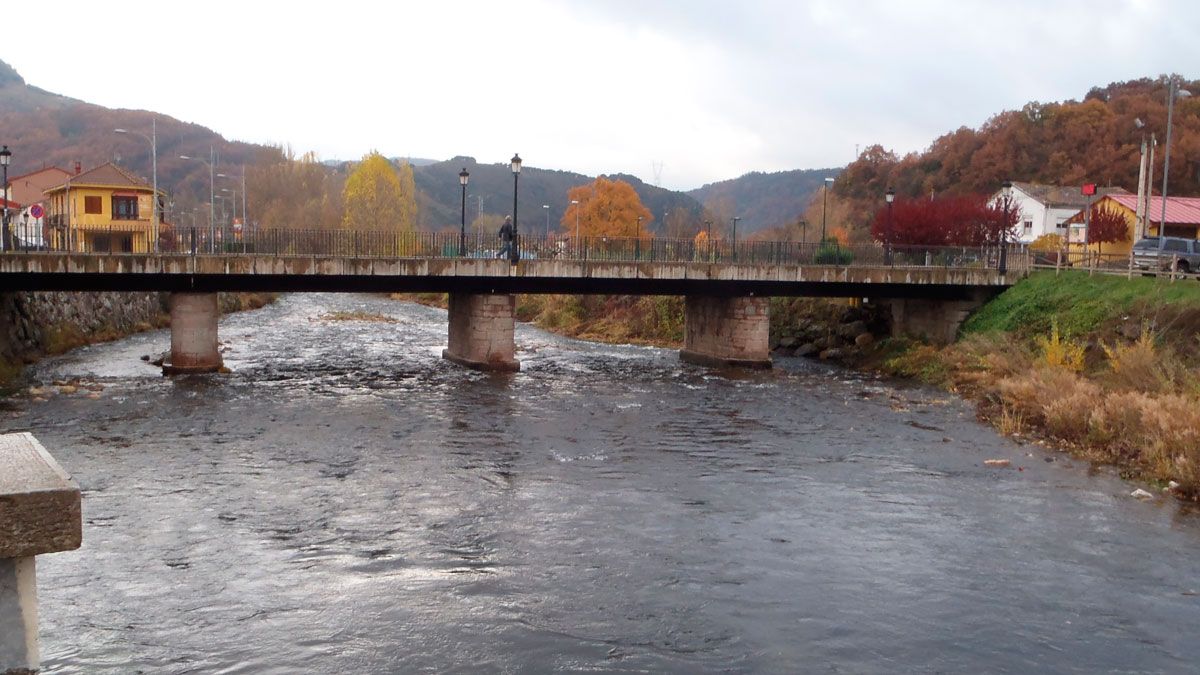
x=724, y=332
x=193, y=334
x=936, y=321
x=481, y=332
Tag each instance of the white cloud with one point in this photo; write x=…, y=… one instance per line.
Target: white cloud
x=709, y=88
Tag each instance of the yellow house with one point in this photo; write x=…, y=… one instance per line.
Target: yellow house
x=102, y=209
x=1183, y=220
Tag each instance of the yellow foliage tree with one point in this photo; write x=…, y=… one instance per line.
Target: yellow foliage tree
x=606, y=208
x=378, y=198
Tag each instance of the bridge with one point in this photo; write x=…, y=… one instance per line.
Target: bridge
x=725, y=284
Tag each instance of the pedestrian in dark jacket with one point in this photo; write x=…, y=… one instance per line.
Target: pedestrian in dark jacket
x=506, y=238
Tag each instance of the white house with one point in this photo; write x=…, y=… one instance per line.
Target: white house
x=1045, y=209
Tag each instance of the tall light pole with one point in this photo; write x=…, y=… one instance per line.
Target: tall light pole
x=212, y=208
x=463, y=177
x=889, y=197
x=824, y=205
x=515, y=254
x=575, y=203
x=1173, y=92
x=734, y=233
x=1006, y=195
x=546, y=208
x=5, y=158
x=153, y=139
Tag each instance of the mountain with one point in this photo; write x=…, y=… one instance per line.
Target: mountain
x=439, y=201
x=763, y=200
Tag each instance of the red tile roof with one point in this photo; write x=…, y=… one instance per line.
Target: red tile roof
x=1180, y=210
x=106, y=175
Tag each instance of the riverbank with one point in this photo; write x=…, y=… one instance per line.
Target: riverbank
x=36, y=325
x=1104, y=366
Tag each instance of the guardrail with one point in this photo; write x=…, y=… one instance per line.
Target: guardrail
x=1107, y=263
x=444, y=245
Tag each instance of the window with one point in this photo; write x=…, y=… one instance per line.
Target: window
x=1029, y=227
x=92, y=205
x=125, y=208
x=1175, y=245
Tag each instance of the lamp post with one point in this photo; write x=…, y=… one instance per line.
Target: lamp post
x=575, y=203
x=212, y=208
x=889, y=197
x=153, y=140
x=546, y=208
x=637, y=240
x=5, y=158
x=515, y=251
x=824, y=206
x=1006, y=195
x=463, y=177
x=734, y=232
x=1173, y=92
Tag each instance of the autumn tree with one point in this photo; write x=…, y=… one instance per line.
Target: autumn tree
x=606, y=208
x=377, y=197
x=681, y=224
x=954, y=220
x=286, y=191
x=1107, y=226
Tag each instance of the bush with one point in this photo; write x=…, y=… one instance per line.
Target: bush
x=1060, y=352
x=830, y=252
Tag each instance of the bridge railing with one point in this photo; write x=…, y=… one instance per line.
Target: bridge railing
x=228, y=241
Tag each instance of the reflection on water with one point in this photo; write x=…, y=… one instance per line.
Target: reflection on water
x=346, y=501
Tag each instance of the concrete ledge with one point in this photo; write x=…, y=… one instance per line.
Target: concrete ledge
x=709, y=361
x=496, y=366
x=39, y=501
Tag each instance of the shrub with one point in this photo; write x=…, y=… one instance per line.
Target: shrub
x=1060, y=352
x=830, y=252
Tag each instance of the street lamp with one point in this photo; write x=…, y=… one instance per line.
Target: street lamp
x=5, y=158
x=575, y=203
x=889, y=197
x=463, y=177
x=153, y=140
x=734, y=232
x=212, y=208
x=824, y=205
x=546, y=208
x=515, y=253
x=1006, y=195
x=1173, y=92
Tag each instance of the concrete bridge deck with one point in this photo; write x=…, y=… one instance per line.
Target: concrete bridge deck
x=234, y=272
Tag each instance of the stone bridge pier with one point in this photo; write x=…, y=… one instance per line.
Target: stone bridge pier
x=726, y=331
x=936, y=321
x=194, y=349
x=481, y=331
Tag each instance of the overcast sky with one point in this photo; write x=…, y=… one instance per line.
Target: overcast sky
x=686, y=91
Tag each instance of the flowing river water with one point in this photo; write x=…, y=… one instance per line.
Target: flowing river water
x=347, y=501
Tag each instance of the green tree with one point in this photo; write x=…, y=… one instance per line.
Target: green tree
x=376, y=196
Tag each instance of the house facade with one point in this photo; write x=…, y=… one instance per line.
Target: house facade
x=1045, y=209
x=28, y=190
x=102, y=209
x=1183, y=220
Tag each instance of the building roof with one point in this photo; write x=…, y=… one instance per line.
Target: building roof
x=105, y=175
x=28, y=188
x=1064, y=196
x=1180, y=210
x=12, y=205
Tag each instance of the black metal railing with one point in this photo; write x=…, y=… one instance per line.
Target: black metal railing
x=226, y=241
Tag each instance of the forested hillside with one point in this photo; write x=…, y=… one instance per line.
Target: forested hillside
x=762, y=200
x=1093, y=140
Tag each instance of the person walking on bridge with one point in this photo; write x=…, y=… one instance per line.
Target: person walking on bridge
x=506, y=238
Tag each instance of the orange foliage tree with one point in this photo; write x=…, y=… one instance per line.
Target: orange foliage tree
x=606, y=208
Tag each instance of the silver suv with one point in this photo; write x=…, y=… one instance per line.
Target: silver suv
x=1156, y=253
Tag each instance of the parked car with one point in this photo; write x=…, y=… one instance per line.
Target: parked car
x=1157, y=253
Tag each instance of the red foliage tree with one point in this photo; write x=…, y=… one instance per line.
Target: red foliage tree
x=1107, y=226
x=967, y=220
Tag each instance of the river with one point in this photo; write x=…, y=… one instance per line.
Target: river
x=347, y=501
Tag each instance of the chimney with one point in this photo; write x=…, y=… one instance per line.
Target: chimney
x=78, y=167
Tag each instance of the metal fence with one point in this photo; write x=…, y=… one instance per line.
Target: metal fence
x=442, y=245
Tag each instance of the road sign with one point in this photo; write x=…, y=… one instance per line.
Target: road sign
x=36, y=211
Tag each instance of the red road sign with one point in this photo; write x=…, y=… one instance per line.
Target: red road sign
x=36, y=211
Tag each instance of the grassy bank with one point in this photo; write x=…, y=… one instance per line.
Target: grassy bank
x=1106, y=366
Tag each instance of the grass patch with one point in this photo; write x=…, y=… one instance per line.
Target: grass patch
x=358, y=315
